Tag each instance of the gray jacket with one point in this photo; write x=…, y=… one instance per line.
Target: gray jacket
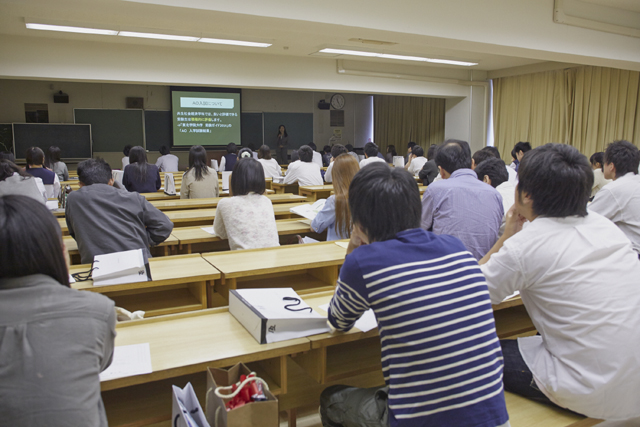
x=104, y=219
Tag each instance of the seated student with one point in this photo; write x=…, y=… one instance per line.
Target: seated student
x=410, y=146
x=125, y=160
x=199, y=181
x=139, y=175
x=104, y=219
x=519, y=150
x=15, y=181
x=229, y=160
x=294, y=155
x=35, y=167
x=391, y=153
x=52, y=162
x=270, y=166
x=416, y=160
x=459, y=204
x=370, y=155
x=493, y=172
x=620, y=200
x=429, y=170
x=352, y=153
x=245, y=153
x=440, y=354
x=326, y=156
x=599, y=181
x=247, y=218
x=334, y=216
x=303, y=171
x=167, y=162
x=317, y=157
x=336, y=150
x=54, y=340
x=578, y=278
x=513, y=175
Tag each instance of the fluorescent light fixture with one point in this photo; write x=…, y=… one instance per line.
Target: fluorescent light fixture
x=158, y=36
x=234, y=42
x=398, y=57
x=67, y=29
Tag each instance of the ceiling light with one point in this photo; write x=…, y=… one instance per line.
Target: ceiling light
x=398, y=57
x=234, y=42
x=66, y=29
x=157, y=36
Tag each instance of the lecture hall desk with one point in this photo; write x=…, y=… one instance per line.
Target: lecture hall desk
x=205, y=203
x=315, y=192
x=281, y=188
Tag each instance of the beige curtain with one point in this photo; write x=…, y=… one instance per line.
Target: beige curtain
x=587, y=107
x=400, y=119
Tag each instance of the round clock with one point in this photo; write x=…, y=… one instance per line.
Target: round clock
x=337, y=101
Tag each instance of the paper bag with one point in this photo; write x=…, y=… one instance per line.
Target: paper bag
x=169, y=184
x=120, y=267
x=225, y=180
x=398, y=161
x=255, y=414
x=186, y=410
x=214, y=164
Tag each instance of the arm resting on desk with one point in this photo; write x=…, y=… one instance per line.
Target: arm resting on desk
x=347, y=304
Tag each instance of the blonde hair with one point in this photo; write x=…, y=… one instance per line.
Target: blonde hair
x=345, y=167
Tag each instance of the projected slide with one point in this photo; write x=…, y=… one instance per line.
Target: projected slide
x=205, y=118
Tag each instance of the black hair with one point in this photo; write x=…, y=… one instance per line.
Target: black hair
x=247, y=177
x=597, y=158
x=312, y=145
x=94, y=171
x=326, y=149
x=495, y=169
x=494, y=151
x=349, y=148
x=522, y=146
x=411, y=144
x=285, y=130
x=482, y=155
x=370, y=149
x=338, y=149
x=453, y=154
x=6, y=155
x=251, y=146
x=232, y=148
x=431, y=152
x=30, y=240
x=624, y=156
x=392, y=149
x=264, y=152
x=384, y=201
x=417, y=151
x=513, y=155
x=52, y=156
x=164, y=150
x=198, y=161
x=558, y=178
x=8, y=168
x=126, y=150
x=305, y=153
x=138, y=161
x=35, y=156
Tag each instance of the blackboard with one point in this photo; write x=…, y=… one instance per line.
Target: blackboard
x=74, y=140
x=157, y=129
x=299, y=128
x=6, y=137
x=251, y=129
x=112, y=129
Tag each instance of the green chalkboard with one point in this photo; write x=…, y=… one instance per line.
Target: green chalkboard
x=157, y=129
x=74, y=140
x=111, y=130
x=251, y=129
x=6, y=137
x=299, y=128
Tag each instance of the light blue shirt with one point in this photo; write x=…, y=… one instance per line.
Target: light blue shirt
x=326, y=220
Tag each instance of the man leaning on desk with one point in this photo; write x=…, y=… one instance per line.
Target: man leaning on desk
x=104, y=219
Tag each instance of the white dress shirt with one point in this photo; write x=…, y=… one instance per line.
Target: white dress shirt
x=317, y=159
x=513, y=176
x=271, y=168
x=578, y=279
x=620, y=202
x=507, y=191
x=167, y=163
x=304, y=173
x=370, y=160
x=599, y=181
x=125, y=161
x=416, y=165
x=327, y=173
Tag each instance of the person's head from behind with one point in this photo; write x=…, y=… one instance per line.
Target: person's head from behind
x=8, y=168
x=431, y=152
x=417, y=151
x=52, y=156
x=555, y=181
x=370, y=150
x=305, y=153
x=345, y=167
x=313, y=146
x=94, y=171
x=492, y=171
x=480, y=156
x=164, y=150
x=30, y=240
x=35, y=157
x=410, y=146
x=452, y=155
x=6, y=155
x=520, y=149
x=338, y=149
x=494, y=151
x=349, y=148
x=326, y=149
x=245, y=153
x=232, y=148
x=198, y=161
x=247, y=177
x=384, y=201
x=620, y=158
x=391, y=149
x=126, y=150
x=137, y=154
x=597, y=160
x=264, y=152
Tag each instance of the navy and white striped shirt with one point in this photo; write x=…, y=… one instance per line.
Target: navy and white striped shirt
x=441, y=357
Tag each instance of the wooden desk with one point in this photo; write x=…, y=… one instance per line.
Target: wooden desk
x=315, y=192
x=193, y=217
x=163, y=249
x=179, y=284
x=284, y=188
x=212, y=202
x=161, y=195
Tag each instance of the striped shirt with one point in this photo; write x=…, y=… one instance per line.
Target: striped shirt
x=441, y=357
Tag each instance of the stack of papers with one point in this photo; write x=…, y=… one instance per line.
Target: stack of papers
x=309, y=211
x=128, y=360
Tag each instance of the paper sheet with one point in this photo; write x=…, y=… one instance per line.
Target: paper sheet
x=365, y=323
x=309, y=240
x=513, y=295
x=209, y=230
x=343, y=244
x=71, y=279
x=128, y=360
x=305, y=221
x=52, y=205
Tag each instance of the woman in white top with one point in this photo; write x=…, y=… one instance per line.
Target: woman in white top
x=199, y=181
x=15, y=181
x=167, y=162
x=52, y=161
x=247, y=219
x=270, y=166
